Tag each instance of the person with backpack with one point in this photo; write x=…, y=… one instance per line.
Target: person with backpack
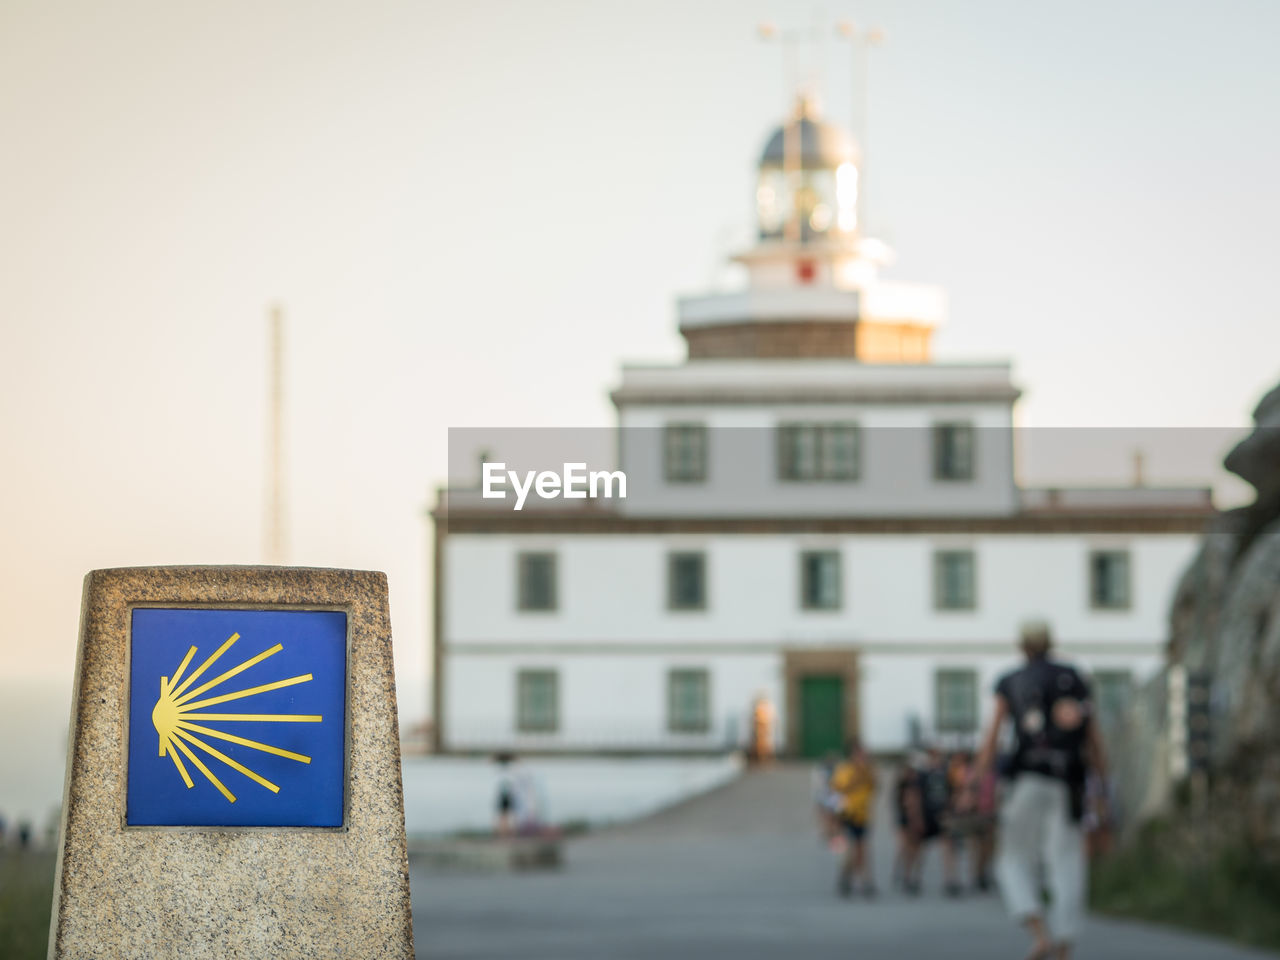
x=854, y=784
x=1056, y=745
x=925, y=802
x=905, y=804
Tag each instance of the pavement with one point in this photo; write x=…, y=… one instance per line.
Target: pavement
x=737, y=873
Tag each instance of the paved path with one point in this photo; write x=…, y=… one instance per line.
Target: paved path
x=736, y=874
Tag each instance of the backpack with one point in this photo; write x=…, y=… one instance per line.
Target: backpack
x=1049, y=704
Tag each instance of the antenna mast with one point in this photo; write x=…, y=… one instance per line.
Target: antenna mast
x=861, y=42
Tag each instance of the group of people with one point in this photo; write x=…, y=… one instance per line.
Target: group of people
x=943, y=797
x=935, y=797
x=1030, y=799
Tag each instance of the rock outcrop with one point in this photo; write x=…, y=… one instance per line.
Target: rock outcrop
x=1225, y=621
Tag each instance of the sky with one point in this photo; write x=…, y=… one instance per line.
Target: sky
x=472, y=213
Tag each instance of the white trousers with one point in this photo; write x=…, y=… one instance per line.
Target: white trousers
x=1036, y=830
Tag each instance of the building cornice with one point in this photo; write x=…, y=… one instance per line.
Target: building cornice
x=922, y=648
x=674, y=396
x=1188, y=521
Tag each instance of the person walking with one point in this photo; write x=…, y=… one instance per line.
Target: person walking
x=827, y=803
x=905, y=802
x=854, y=781
x=926, y=803
x=1056, y=745
x=505, y=796
x=960, y=820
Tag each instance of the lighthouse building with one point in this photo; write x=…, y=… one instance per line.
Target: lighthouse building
x=816, y=514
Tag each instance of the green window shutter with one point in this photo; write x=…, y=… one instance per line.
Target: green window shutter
x=536, y=581
x=685, y=452
x=798, y=451
x=820, y=577
x=686, y=581
x=809, y=452
x=953, y=451
x=1110, y=579
x=956, y=701
x=537, y=701
x=688, y=701
x=955, y=580
x=840, y=451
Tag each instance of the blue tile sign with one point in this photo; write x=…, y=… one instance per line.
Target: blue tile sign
x=237, y=718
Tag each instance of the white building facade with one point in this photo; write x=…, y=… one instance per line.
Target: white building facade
x=817, y=514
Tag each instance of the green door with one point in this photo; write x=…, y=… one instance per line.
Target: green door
x=821, y=714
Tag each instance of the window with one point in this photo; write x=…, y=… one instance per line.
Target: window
x=688, y=701
x=536, y=581
x=687, y=581
x=954, y=580
x=820, y=580
x=537, y=701
x=953, y=447
x=684, y=452
x=818, y=451
x=956, y=700
x=1109, y=579
x=1112, y=691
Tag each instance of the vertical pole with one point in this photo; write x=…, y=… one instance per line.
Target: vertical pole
x=791, y=145
x=275, y=532
x=860, y=44
x=870, y=39
x=818, y=74
x=862, y=71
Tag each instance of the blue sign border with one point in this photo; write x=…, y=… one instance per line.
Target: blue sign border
x=294, y=663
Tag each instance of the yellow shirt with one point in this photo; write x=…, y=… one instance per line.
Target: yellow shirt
x=856, y=784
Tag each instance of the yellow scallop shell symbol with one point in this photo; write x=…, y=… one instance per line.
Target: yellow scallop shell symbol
x=177, y=707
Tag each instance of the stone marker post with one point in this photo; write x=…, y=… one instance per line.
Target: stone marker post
x=233, y=779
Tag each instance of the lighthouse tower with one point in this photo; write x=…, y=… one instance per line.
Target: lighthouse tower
x=814, y=287
x=817, y=377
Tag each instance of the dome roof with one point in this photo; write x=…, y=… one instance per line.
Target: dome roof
x=822, y=145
